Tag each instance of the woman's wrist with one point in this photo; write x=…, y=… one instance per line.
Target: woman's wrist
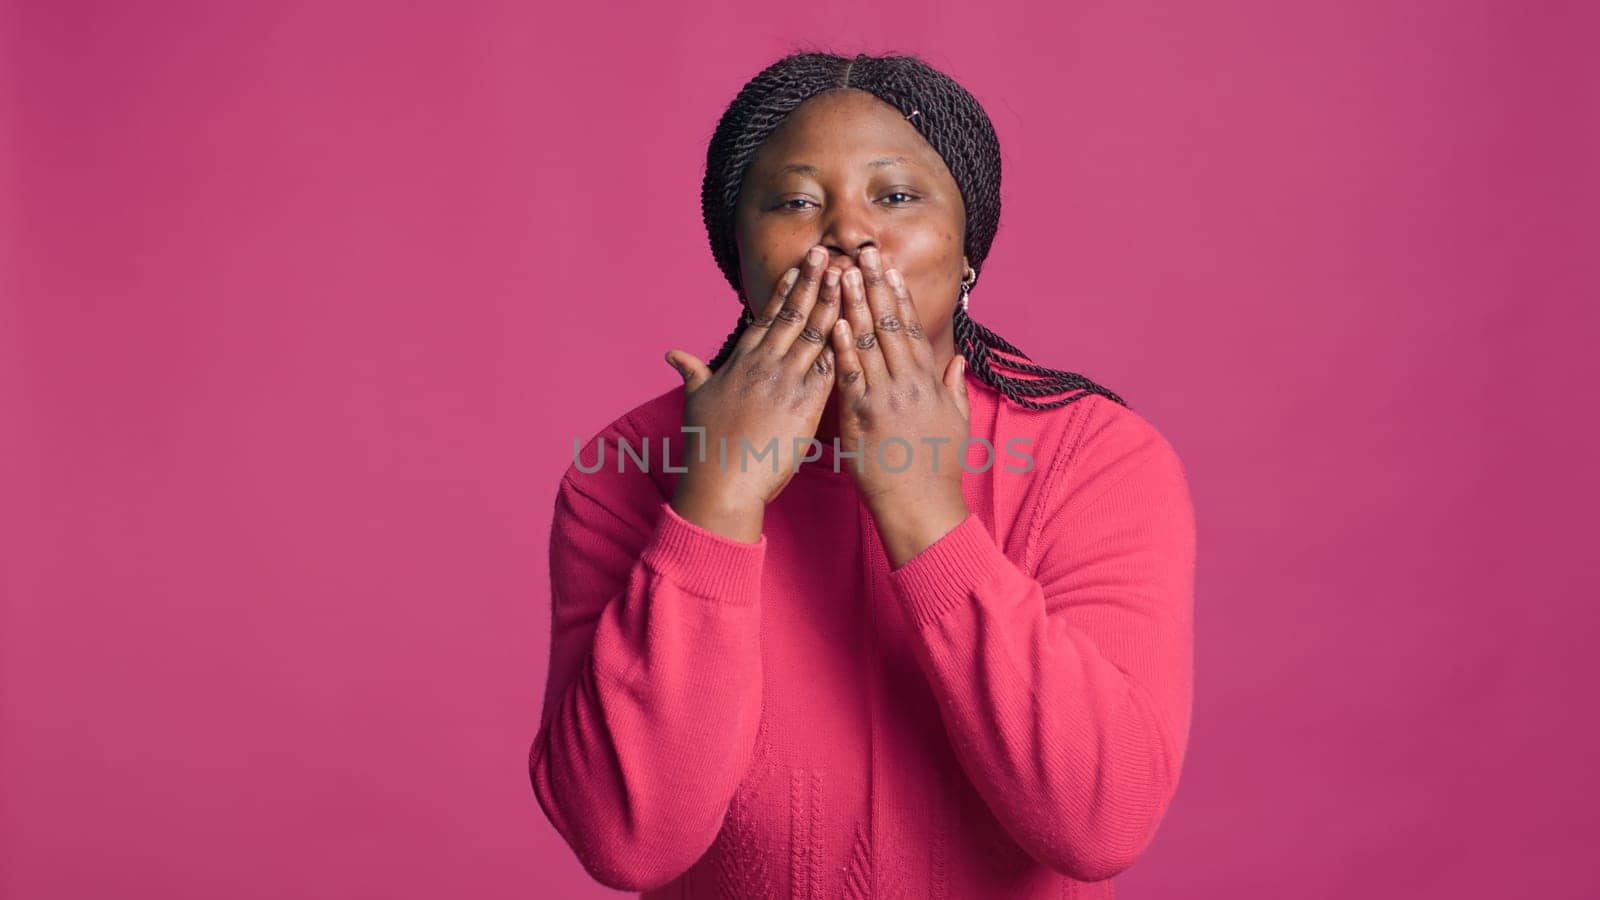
x=732, y=518
x=907, y=528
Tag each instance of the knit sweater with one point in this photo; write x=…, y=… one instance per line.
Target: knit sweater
x=1004, y=715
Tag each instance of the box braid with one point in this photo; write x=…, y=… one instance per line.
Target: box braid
x=953, y=122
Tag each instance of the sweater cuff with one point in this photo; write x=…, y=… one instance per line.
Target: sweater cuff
x=948, y=571
x=705, y=563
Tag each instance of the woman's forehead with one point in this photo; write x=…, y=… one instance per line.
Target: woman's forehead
x=811, y=143
x=849, y=112
x=867, y=157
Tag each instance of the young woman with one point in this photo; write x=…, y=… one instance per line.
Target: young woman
x=939, y=646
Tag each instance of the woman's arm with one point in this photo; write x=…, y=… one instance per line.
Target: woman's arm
x=1067, y=696
x=654, y=689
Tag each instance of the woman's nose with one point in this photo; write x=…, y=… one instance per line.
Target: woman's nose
x=845, y=261
x=849, y=229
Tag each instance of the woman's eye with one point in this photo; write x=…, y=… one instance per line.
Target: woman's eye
x=896, y=198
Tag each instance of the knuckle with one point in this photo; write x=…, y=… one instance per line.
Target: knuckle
x=790, y=314
x=867, y=341
x=889, y=322
x=850, y=377
x=811, y=334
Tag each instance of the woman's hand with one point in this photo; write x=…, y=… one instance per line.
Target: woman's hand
x=896, y=400
x=772, y=387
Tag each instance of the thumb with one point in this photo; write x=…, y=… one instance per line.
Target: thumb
x=694, y=372
x=955, y=379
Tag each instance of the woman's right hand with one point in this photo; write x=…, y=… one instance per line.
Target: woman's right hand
x=773, y=385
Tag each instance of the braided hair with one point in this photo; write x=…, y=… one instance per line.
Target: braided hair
x=953, y=122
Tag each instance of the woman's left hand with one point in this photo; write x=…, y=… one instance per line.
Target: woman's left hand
x=909, y=419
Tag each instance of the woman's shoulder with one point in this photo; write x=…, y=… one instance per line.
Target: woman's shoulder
x=631, y=452
x=1089, y=443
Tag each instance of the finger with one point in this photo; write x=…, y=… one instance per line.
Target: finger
x=818, y=330
x=863, y=335
x=820, y=377
x=916, y=338
x=848, y=379
x=694, y=372
x=886, y=315
x=757, y=329
x=791, y=316
x=955, y=378
x=813, y=338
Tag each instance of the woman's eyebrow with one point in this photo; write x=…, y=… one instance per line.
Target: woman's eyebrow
x=808, y=169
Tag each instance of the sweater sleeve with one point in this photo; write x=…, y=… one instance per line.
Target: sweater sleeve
x=1067, y=693
x=654, y=687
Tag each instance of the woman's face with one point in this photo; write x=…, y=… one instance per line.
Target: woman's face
x=847, y=171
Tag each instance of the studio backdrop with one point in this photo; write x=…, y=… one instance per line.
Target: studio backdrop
x=302, y=306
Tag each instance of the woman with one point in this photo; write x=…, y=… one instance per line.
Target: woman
x=854, y=667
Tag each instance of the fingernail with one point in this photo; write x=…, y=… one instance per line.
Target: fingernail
x=869, y=256
x=789, y=278
x=814, y=255
x=895, y=279
x=831, y=277
x=853, y=277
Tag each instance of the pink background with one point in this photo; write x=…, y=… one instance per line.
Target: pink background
x=304, y=305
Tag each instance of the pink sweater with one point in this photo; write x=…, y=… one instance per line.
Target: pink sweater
x=1006, y=715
